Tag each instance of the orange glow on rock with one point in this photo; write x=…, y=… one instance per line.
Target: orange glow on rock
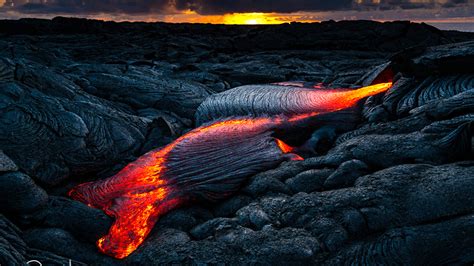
x=154, y=184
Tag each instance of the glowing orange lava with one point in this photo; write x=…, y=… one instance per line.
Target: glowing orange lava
x=142, y=191
x=285, y=148
x=160, y=180
x=334, y=100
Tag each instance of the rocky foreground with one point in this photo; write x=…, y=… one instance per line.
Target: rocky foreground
x=80, y=99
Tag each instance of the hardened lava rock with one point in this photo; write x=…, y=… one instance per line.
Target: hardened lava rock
x=80, y=99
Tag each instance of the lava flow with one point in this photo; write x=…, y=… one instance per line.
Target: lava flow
x=208, y=163
x=334, y=100
x=289, y=99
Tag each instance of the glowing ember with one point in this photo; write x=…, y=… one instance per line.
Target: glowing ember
x=209, y=162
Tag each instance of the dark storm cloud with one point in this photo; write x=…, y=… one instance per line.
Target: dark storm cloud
x=92, y=6
x=282, y=6
x=200, y=6
x=203, y=6
x=114, y=6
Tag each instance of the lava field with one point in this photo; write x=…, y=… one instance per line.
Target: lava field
x=330, y=143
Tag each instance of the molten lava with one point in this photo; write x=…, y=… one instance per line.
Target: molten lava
x=166, y=178
x=338, y=100
x=208, y=163
x=285, y=148
x=277, y=99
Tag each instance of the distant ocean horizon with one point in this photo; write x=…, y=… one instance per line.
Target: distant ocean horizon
x=459, y=26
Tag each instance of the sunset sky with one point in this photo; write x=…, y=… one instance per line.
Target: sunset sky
x=457, y=14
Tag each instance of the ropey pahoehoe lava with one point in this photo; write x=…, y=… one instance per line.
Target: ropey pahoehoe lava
x=208, y=163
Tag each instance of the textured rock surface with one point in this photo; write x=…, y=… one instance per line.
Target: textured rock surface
x=79, y=99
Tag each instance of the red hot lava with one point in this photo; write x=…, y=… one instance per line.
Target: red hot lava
x=209, y=162
x=166, y=178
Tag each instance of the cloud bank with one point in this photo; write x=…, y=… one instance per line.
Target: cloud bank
x=214, y=7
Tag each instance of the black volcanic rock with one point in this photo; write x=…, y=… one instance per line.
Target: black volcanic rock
x=309, y=181
x=346, y=174
x=406, y=148
x=63, y=243
x=20, y=193
x=229, y=207
x=79, y=99
x=84, y=222
x=422, y=244
x=139, y=91
x=442, y=59
x=6, y=164
x=427, y=183
x=12, y=247
x=211, y=227
x=14, y=250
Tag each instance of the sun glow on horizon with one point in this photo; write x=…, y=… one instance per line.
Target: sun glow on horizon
x=445, y=22
x=251, y=19
x=236, y=18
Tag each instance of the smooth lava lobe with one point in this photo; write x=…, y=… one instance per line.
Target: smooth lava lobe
x=289, y=99
x=208, y=163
